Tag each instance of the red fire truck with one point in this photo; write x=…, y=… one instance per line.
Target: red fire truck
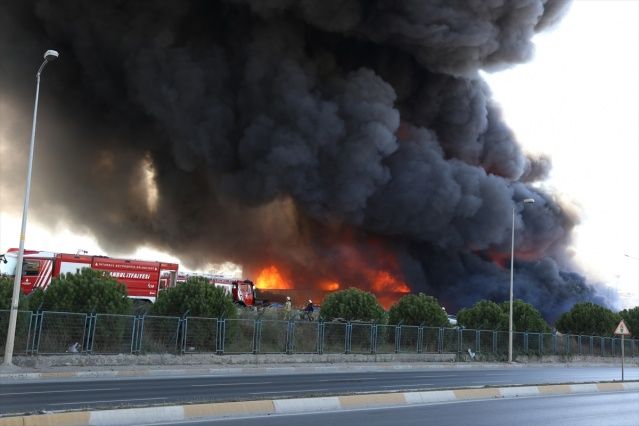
x=143, y=279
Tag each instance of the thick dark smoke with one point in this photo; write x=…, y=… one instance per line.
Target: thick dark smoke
x=298, y=132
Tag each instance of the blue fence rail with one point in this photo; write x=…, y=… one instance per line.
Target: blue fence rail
x=47, y=333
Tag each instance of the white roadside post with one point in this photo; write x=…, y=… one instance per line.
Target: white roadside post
x=512, y=264
x=623, y=330
x=49, y=55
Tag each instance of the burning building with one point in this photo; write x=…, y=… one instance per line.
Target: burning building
x=321, y=145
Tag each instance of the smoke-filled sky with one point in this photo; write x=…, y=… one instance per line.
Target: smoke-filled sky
x=327, y=138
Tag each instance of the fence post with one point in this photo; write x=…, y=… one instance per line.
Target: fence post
x=477, y=341
x=420, y=338
x=219, y=338
x=257, y=331
x=139, y=335
x=89, y=328
x=290, y=333
x=34, y=331
x=398, y=336
x=526, y=342
x=374, y=338
x=320, y=338
x=37, y=346
x=440, y=340
x=348, y=334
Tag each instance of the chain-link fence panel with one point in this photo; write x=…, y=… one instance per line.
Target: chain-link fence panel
x=112, y=334
x=361, y=338
x=273, y=337
x=385, y=339
x=430, y=340
x=547, y=344
x=239, y=336
x=306, y=337
x=469, y=340
x=334, y=338
x=606, y=346
x=450, y=340
x=161, y=335
x=200, y=335
x=486, y=341
x=616, y=347
x=534, y=344
x=596, y=346
x=519, y=342
x=583, y=345
x=23, y=330
x=501, y=345
x=62, y=332
x=408, y=339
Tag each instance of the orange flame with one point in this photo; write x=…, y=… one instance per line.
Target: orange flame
x=329, y=286
x=383, y=282
x=271, y=278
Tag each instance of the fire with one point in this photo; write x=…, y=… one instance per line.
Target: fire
x=329, y=286
x=384, y=282
x=271, y=278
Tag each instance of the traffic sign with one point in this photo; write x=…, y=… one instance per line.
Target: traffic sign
x=622, y=329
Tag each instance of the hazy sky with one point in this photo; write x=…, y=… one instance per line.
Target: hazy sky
x=578, y=101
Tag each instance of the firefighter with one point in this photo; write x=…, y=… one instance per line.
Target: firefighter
x=287, y=308
x=308, y=311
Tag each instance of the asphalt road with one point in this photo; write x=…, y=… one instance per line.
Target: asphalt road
x=30, y=397
x=616, y=409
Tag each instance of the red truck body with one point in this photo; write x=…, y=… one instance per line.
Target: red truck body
x=143, y=279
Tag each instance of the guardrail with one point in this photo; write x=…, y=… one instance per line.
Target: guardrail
x=47, y=333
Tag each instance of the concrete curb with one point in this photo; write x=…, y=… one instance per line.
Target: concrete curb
x=133, y=416
x=75, y=372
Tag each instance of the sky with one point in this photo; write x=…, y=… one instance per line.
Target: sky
x=576, y=101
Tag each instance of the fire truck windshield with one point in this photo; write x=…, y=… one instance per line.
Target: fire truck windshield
x=8, y=264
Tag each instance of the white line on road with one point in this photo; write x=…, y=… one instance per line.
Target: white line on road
x=437, y=376
x=57, y=391
x=284, y=392
x=412, y=385
x=349, y=380
x=108, y=400
x=231, y=384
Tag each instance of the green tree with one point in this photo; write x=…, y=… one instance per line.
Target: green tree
x=631, y=318
x=87, y=291
x=416, y=310
x=483, y=315
x=588, y=319
x=198, y=297
x=352, y=304
x=525, y=317
x=6, y=293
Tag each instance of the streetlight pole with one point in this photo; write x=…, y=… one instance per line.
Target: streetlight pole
x=512, y=264
x=49, y=55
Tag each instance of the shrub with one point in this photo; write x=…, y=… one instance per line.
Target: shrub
x=86, y=291
x=631, y=318
x=198, y=297
x=417, y=310
x=588, y=319
x=352, y=305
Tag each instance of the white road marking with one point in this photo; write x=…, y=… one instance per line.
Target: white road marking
x=107, y=400
x=349, y=380
x=293, y=390
x=57, y=391
x=231, y=384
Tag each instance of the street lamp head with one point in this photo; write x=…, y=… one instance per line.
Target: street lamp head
x=529, y=201
x=51, y=55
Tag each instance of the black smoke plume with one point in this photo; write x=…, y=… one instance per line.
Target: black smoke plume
x=295, y=132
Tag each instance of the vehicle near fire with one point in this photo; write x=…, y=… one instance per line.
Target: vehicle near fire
x=143, y=279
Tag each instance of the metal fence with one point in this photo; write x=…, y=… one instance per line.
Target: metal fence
x=64, y=332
